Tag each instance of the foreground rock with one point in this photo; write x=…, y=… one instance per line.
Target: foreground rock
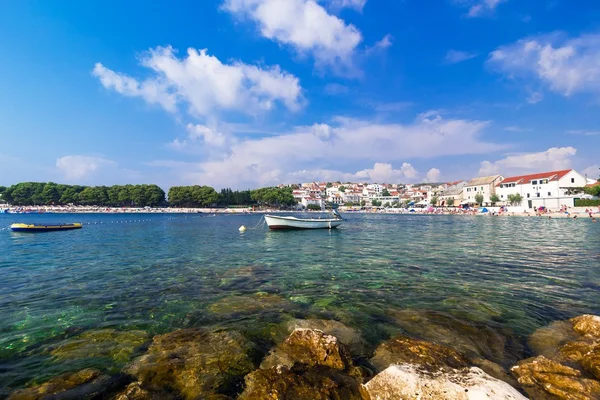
x=587, y=325
x=196, y=363
x=85, y=384
x=407, y=382
x=547, y=340
x=311, y=347
x=404, y=350
x=542, y=378
x=116, y=345
x=301, y=382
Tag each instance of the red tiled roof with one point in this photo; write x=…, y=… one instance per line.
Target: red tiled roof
x=592, y=184
x=551, y=176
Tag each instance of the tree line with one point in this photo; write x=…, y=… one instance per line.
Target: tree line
x=50, y=193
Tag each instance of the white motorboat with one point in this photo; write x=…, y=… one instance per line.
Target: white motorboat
x=278, y=222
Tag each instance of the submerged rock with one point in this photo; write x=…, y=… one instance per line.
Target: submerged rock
x=251, y=304
x=85, y=384
x=244, y=278
x=474, y=340
x=404, y=350
x=544, y=379
x=547, y=340
x=194, y=362
x=116, y=345
x=311, y=347
x=495, y=370
x=407, y=382
x=350, y=337
x=301, y=382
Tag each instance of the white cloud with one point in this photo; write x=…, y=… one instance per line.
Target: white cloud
x=583, y=132
x=80, y=167
x=279, y=159
x=384, y=173
x=555, y=158
x=455, y=56
x=381, y=45
x=433, y=175
x=305, y=26
x=205, y=84
x=334, y=89
x=483, y=8
x=517, y=129
x=357, y=5
x=565, y=65
x=535, y=97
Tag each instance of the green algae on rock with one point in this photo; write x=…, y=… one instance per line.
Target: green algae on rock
x=116, y=345
x=87, y=383
x=194, y=362
x=542, y=379
x=404, y=350
x=250, y=304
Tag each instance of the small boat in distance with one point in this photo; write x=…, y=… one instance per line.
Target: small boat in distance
x=44, y=228
x=280, y=223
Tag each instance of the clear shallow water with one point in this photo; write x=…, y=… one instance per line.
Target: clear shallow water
x=157, y=273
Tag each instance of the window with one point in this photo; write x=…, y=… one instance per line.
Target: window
x=501, y=196
x=572, y=180
x=534, y=182
x=549, y=194
x=527, y=195
x=482, y=188
x=538, y=195
x=543, y=181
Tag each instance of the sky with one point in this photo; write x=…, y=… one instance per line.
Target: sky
x=251, y=93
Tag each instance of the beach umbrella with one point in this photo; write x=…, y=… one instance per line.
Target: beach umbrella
x=483, y=210
x=412, y=203
x=411, y=210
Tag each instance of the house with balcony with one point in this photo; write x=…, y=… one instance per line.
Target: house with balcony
x=552, y=189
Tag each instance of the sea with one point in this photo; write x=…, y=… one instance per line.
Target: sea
x=379, y=273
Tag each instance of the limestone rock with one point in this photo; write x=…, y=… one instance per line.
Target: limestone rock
x=194, y=362
x=134, y=391
x=350, y=337
x=591, y=362
x=494, y=370
x=407, y=382
x=576, y=350
x=544, y=379
x=301, y=382
x=404, y=350
x=87, y=383
x=311, y=347
x=547, y=340
x=587, y=325
x=116, y=345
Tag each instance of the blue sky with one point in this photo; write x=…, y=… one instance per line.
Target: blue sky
x=248, y=93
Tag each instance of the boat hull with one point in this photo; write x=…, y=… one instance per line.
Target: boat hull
x=43, y=228
x=291, y=223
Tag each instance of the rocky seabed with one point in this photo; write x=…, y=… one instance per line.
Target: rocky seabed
x=324, y=359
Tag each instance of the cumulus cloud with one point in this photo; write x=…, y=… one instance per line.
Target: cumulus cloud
x=555, y=158
x=455, y=56
x=305, y=26
x=384, y=172
x=203, y=139
x=433, y=175
x=80, y=167
x=205, y=84
x=564, y=65
x=275, y=159
x=381, y=45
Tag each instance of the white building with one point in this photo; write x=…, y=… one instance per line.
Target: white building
x=485, y=186
x=549, y=189
x=352, y=197
x=309, y=200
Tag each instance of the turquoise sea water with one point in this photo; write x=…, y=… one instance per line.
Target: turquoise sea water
x=157, y=273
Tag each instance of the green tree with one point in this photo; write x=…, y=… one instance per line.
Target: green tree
x=450, y=202
x=376, y=203
x=434, y=200
x=386, y=204
x=593, y=190
x=479, y=199
x=342, y=188
x=385, y=193
x=313, y=207
x=395, y=204
x=50, y=194
x=494, y=199
x=329, y=184
x=515, y=199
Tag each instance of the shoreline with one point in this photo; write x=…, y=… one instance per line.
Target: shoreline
x=574, y=213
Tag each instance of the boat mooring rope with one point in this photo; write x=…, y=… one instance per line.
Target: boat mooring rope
x=260, y=224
